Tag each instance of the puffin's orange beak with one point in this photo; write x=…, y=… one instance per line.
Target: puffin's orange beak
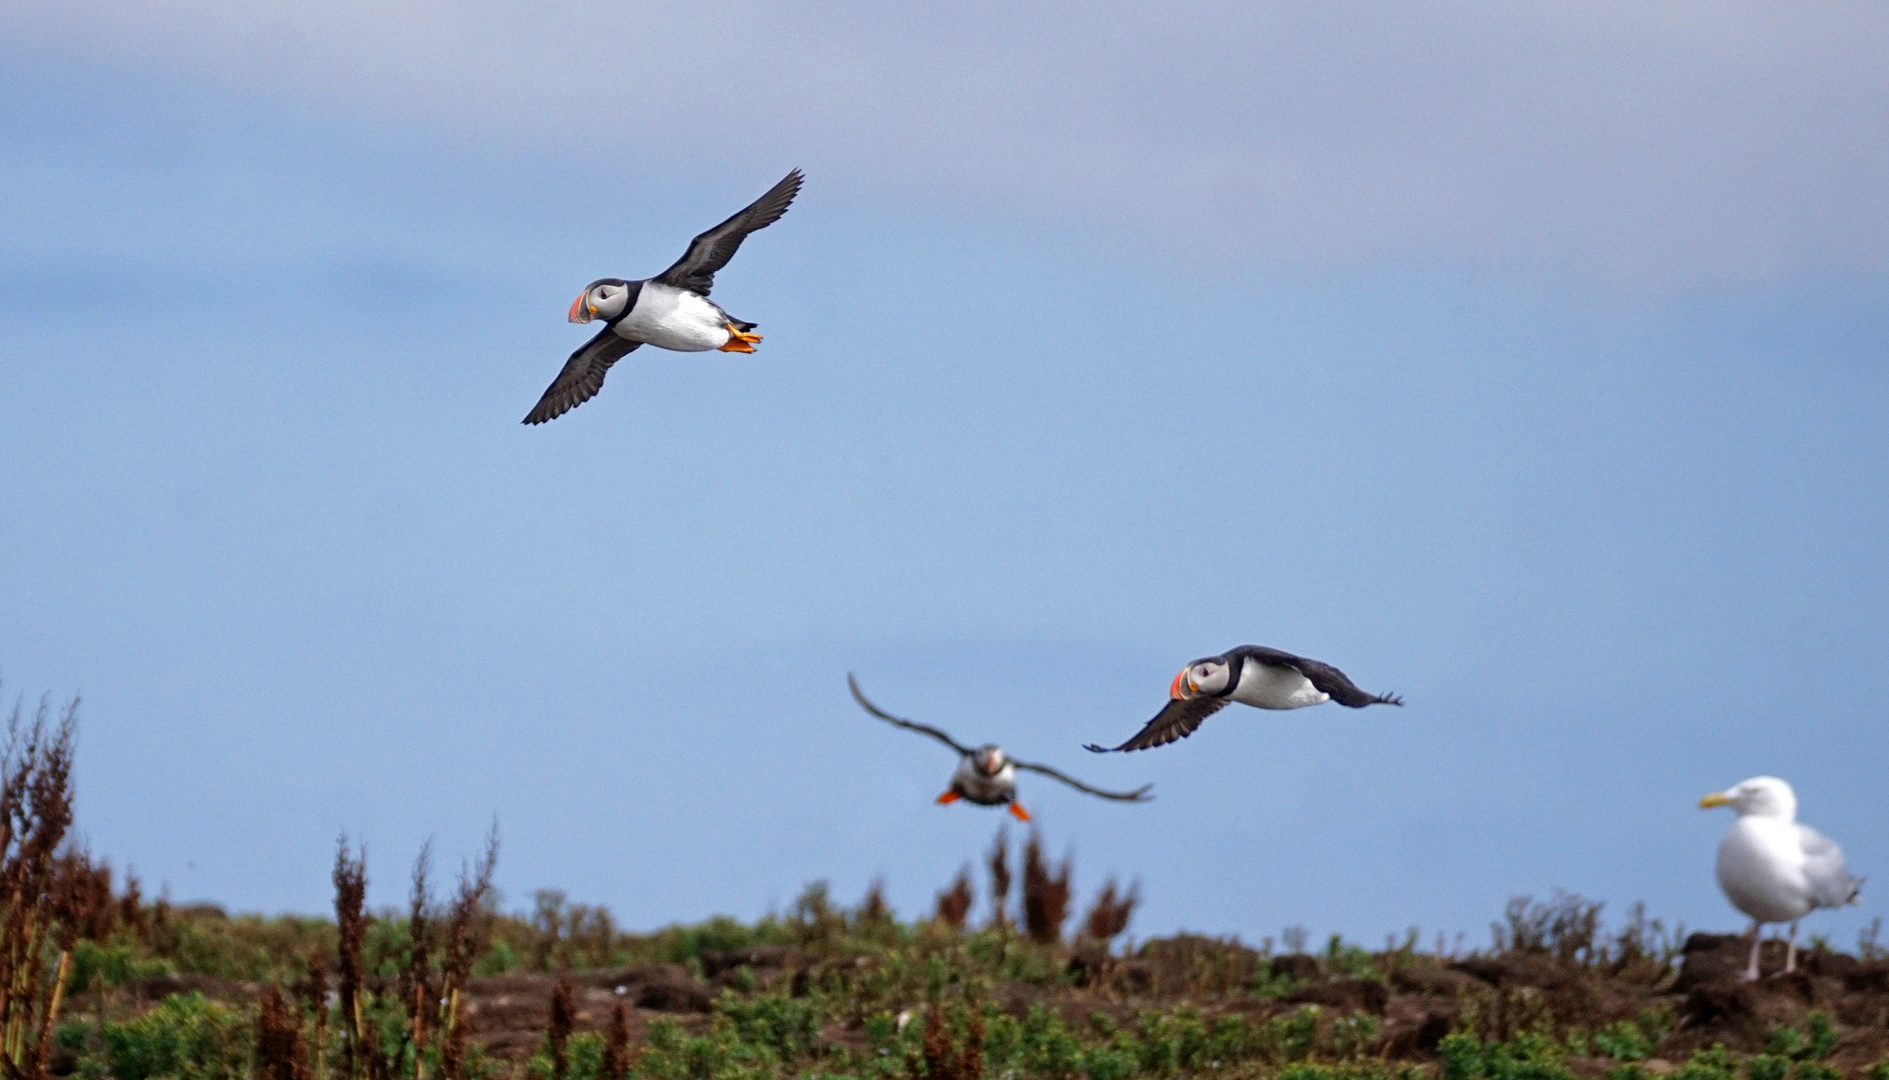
x=1174, y=689
x=580, y=312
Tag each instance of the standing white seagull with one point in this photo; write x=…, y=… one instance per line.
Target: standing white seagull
x=1774, y=869
x=670, y=311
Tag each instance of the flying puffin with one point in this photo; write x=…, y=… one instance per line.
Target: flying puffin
x=986, y=775
x=670, y=311
x=1251, y=675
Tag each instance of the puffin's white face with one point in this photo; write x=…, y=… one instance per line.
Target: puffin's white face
x=602, y=300
x=1201, y=677
x=1762, y=796
x=989, y=760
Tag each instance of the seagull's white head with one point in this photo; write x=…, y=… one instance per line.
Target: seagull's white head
x=1210, y=676
x=1760, y=796
x=604, y=298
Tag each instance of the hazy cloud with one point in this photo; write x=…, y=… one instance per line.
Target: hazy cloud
x=1672, y=140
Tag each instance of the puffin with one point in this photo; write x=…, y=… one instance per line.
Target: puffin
x=1771, y=867
x=1251, y=675
x=985, y=775
x=670, y=311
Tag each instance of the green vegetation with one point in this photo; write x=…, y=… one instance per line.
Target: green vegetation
x=1812, y=1039
x=1526, y=1056
x=184, y=1038
x=97, y=981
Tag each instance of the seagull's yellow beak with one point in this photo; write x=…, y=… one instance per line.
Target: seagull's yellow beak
x=1717, y=798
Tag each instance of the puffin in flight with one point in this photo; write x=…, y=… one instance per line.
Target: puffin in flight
x=986, y=775
x=670, y=311
x=1251, y=675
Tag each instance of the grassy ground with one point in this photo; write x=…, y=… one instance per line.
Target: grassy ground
x=560, y=992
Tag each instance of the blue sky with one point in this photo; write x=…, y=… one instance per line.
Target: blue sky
x=1528, y=365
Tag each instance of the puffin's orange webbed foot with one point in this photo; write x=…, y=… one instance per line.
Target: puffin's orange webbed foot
x=740, y=340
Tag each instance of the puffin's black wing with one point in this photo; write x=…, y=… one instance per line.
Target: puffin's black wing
x=1140, y=794
x=1328, y=679
x=1171, y=724
x=582, y=376
x=909, y=725
x=709, y=252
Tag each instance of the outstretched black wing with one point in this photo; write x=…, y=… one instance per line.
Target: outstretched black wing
x=1171, y=724
x=709, y=252
x=582, y=376
x=1140, y=794
x=1328, y=679
x=909, y=725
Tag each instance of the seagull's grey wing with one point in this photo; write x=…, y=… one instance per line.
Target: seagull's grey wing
x=1830, y=882
x=582, y=376
x=709, y=252
x=1328, y=679
x=1140, y=794
x=909, y=725
x=1175, y=722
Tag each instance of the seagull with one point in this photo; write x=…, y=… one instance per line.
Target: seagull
x=986, y=775
x=1774, y=869
x=1251, y=675
x=670, y=311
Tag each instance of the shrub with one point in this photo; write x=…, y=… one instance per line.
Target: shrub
x=184, y=1038
x=1813, y=1039
x=1623, y=1041
x=584, y=1059
x=790, y=1027
x=1526, y=1056
x=1767, y=1067
x=1370, y=1070
x=1349, y=961
x=1713, y=1063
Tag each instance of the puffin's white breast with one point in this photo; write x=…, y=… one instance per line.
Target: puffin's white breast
x=672, y=318
x=985, y=790
x=1761, y=869
x=1267, y=687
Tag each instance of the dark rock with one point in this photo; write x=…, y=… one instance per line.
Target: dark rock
x=662, y=987
x=1133, y=976
x=670, y=991
x=1535, y=969
x=1298, y=966
x=1415, y=1025
x=1344, y=995
x=1087, y=965
x=1869, y=976
x=1711, y=958
x=1433, y=979
x=716, y=962
x=159, y=987
x=1743, y=1014
x=1829, y=965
